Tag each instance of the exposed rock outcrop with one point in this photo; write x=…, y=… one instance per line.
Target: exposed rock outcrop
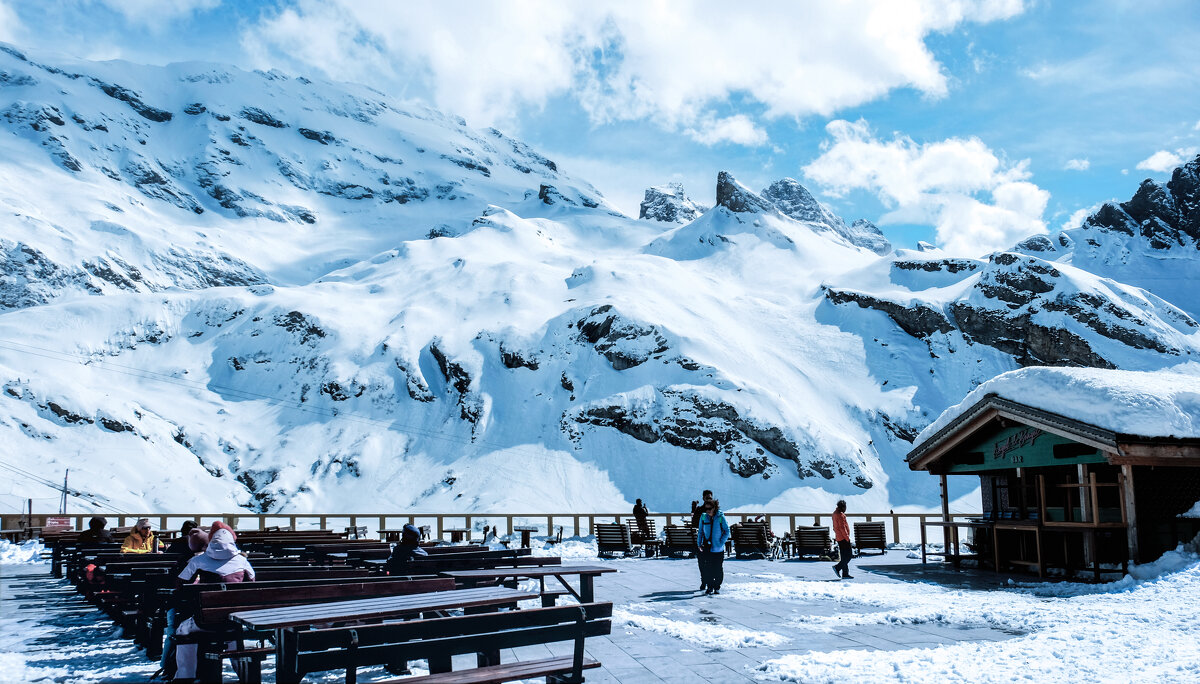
x=738, y=198
x=669, y=204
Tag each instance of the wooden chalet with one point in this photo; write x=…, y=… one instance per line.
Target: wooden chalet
x=1060, y=493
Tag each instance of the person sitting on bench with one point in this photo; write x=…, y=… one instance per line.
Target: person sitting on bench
x=140, y=539
x=408, y=549
x=95, y=533
x=220, y=562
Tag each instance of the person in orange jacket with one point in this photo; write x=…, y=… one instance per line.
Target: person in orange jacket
x=140, y=539
x=841, y=534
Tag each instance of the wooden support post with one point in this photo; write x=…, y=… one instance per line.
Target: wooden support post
x=895, y=527
x=576, y=533
x=945, y=494
x=1130, y=511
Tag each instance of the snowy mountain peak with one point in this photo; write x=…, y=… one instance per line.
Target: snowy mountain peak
x=1165, y=215
x=794, y=200
x=669, y=204
x=738, y=198
x=1150, y=241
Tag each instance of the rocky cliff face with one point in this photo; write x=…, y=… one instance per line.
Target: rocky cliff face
x=1036, y=311
x=794, y=200
x=1151, y=241
x=669, y=204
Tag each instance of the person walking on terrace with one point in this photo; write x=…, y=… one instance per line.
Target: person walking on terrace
x=841, y=534
x=140, y=539
x=711, y=537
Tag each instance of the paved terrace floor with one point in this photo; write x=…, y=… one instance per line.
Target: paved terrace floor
x=54, y=629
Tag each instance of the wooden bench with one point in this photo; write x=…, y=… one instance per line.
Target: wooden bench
x=679, y=540
x=613, y=538
x=870, y=535
x=812, y=541
x=437, y=640
x=635, y=532
x=750, y=539
x=212, y=608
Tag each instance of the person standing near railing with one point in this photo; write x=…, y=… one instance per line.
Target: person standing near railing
x=711, y=537
x=841, y=534
x=697, y=511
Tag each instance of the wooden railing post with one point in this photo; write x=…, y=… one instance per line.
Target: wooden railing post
x=895, y=527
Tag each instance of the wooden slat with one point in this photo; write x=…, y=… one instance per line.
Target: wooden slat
x=366, y=609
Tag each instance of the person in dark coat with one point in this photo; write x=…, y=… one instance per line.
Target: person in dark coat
x=640, y=512
x=96, y=533
x=180, y=546
x=404, y=552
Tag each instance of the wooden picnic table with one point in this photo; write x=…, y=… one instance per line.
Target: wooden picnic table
x=525, y=531
x=587, y=575
x=390, y=607
x=457, y=534
x=391, y=535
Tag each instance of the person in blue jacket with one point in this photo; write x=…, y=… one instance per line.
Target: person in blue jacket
x=711, y=536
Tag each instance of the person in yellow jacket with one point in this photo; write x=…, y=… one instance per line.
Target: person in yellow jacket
x=140, y=539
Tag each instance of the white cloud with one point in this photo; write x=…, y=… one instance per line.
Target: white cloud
x=1076, y=218
x=1196, y=127
x=10, y=26
x=156, y=14
x=1077, y=165
x=1163, y=161
x=738, y=129
x=939, y=183
x=628, y=60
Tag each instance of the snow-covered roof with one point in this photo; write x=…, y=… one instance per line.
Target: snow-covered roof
x=1161, y=404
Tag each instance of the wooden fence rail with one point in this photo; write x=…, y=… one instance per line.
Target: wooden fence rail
x=573, y=524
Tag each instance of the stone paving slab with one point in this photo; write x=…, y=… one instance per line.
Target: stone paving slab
x=667, y=588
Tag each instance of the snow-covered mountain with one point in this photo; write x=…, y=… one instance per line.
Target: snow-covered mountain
x=1152, y=241
x=226, y=289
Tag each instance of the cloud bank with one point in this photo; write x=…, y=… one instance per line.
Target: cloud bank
x=675, y=65
x=976, y=202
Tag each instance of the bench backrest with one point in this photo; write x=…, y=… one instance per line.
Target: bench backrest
x=301, y=572
x=812, y=537
x=216, y=605
x=611, y=536
x=439, y=639
x=870, y=534
x=435, y=565
x=680, y=536
x=435, y=549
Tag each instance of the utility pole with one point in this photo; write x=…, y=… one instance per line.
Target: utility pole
x=62, y=506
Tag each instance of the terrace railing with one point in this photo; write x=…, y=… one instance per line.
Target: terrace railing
x=903, y=526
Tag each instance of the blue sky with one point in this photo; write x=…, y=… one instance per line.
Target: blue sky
x=962, y=122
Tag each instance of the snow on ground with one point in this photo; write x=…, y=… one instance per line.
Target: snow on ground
x=21, y=554
x=1162, y=403
x=699, y=633
x=1141, y=628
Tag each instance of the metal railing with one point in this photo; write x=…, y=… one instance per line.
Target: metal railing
x=573, y=524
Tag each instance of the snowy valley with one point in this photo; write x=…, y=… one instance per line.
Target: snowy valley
x=224, y=289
